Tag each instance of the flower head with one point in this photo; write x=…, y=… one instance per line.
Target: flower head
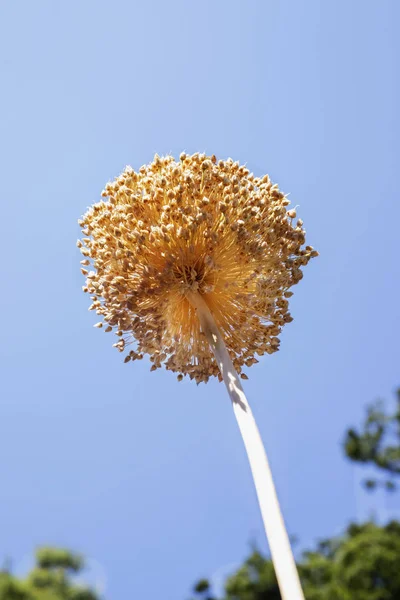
x=193, y=225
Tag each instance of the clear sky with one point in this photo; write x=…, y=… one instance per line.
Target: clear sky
x=146, y=476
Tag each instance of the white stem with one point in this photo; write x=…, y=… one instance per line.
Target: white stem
x=281, y=552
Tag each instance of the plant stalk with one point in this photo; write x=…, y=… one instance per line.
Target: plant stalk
x=281, y=552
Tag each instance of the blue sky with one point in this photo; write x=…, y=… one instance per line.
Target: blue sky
x=146, y=476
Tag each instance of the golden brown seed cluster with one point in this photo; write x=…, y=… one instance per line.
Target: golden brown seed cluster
x=192, y=225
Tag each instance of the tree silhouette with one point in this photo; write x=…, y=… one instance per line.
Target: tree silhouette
x=50, y=579
x=363, y=563
x=378, y=443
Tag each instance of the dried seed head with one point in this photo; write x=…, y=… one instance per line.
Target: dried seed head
x=192, y=225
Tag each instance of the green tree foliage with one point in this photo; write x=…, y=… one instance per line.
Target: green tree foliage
x=377, y=443
x=50, y=579
x=364, y=564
